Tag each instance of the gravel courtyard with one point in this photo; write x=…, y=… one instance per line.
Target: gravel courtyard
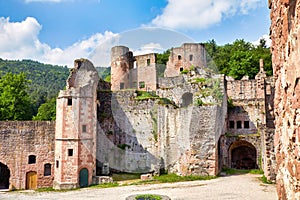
x=237, y=187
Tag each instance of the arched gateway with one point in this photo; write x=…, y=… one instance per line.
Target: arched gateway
x=242, y=155
x=4, y=176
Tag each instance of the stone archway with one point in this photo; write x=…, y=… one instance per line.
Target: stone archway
x=4, y=176
x=242, y=155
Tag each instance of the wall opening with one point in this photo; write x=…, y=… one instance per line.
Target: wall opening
x=47, y=169
x=242, y=155
x=148, y=62
x=84, y=177
x=31, y=180
x=239, y=124
x=69, y=101
x=179, y=57
x=246, y=124
x=70, y=152
x=231, y=124
x=187, y=99
x=32, y=159
x=191, y=57
x=4, y=176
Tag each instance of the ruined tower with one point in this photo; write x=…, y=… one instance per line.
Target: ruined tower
x=182, y=58
x=121, y=64
x=76, y=122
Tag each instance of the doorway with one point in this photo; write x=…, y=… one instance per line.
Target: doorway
x=4, y=176
x=83, y=177
x=31, y=180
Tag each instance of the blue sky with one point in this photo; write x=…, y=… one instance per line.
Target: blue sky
x=58, y=31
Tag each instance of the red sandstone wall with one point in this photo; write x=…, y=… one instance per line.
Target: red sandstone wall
x=285, y=57
x=18, y=140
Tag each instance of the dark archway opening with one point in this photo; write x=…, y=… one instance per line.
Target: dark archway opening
x=4, y=176
x=243, y=155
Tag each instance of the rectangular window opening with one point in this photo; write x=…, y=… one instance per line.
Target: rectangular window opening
x=191, y=57
x=246, y=124
x=57, y=164
x=142, y=84
x=70, y=152
x=84, y=128
x=69, y=101
x=239, y=124
x=181, y=69
x=148, y=62
x=121, y=86
x=231, y=124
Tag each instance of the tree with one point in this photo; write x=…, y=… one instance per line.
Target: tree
x=47, y=111
x=14, y=100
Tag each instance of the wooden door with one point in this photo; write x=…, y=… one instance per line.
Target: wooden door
x=31, y=180
x=84, y=178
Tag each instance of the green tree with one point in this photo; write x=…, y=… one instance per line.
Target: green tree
x=47, y=111
x=14, y=101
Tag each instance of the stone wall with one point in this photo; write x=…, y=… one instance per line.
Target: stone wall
x=18, y=140
x=168, y=132
x=285, y=58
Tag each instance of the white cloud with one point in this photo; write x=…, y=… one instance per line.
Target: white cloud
x=19, y=40
x=201, y=14
x=149, y=48
x=267, y=39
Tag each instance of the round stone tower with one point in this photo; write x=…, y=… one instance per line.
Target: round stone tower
x=121, y=64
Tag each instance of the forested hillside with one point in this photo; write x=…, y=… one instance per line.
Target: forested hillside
x=45, y=80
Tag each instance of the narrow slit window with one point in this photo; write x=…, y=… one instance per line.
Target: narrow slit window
x=148, y=62
x=57, y=164
x=84, y=128
x=47, y=169
x=191, y=57
x=69, y=101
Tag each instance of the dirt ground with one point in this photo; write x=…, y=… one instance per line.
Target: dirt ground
x=236, y=187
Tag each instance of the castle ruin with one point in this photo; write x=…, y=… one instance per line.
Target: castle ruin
x=192, y=121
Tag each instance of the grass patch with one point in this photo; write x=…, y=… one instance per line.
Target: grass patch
x=256, y=171
x=125, y=176
x=171, y=178
x=148, y=197
x=105, y=185
x=265, y=180
x=143, y=95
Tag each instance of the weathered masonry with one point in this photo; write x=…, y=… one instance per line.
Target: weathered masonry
x=187, y=120
x=284, y=31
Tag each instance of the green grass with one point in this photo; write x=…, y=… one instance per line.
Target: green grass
x=125, y=176
x=105, y=185
x=171, y=178
x=143, y=95
x=265, y=180
x=148, y=197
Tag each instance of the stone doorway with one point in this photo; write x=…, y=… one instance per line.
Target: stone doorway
x=83, y=177
x=4, y=176
x=31, y=180
x=242, y=155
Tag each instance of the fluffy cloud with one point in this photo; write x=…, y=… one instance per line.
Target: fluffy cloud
x=267, y=39
x=149, y=48
x=201, y=14
x=19, y=40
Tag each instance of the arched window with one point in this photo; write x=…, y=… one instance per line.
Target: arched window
x=47, y=169
x=31, y=159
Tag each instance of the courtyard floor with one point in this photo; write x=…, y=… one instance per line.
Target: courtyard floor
x=235, y=187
